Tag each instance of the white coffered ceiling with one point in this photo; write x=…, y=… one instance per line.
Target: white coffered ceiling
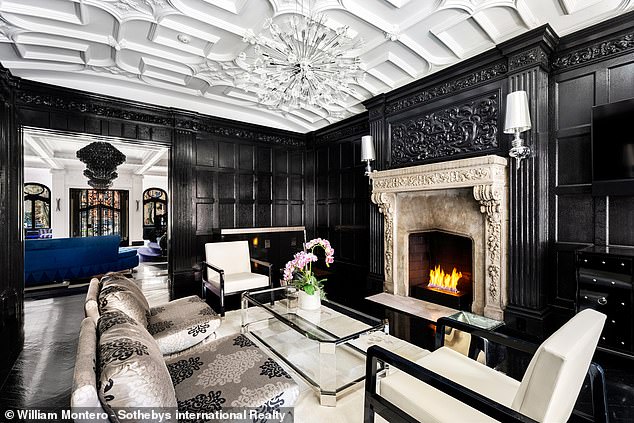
x=181, y=53
x=48, y=150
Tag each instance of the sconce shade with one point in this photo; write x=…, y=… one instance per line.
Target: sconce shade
x=367, y=148
x=518, y=118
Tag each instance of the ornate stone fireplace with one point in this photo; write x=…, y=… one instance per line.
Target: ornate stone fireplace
x=466, y=197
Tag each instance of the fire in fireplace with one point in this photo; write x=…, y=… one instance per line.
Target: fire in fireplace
x=440, y=268
x=446, y=282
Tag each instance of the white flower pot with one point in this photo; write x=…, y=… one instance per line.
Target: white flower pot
x=309, y=302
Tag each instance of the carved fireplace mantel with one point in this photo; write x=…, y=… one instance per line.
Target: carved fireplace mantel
x=395, y=193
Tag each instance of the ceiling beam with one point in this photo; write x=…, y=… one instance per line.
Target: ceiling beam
x=42, y=151
x=150, y=161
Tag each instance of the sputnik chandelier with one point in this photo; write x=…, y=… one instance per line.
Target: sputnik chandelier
x=101, y=161
x=301, y=63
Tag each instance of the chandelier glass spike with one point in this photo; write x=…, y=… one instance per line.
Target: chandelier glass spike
x=302, y=63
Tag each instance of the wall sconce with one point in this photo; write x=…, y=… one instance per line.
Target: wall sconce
x=517, y=120
x=57, y=204
x=367, y=153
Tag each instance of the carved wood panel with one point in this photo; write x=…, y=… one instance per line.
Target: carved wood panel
x=468, y=127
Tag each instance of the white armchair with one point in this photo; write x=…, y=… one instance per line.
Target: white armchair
x=227, y=270
x=446, y=386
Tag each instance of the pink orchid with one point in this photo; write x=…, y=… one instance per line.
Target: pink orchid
x=302, y=261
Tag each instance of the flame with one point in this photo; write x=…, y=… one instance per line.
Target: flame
x=444, y=281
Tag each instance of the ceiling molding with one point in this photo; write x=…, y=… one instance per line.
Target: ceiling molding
x=182, y=53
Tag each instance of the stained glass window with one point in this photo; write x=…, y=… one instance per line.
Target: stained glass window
x=37, y=206
x=154, y=207
x=99, y=212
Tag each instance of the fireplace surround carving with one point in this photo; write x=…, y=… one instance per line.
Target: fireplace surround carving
x=468, y=197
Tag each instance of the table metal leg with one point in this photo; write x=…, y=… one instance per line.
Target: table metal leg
x=327, y=374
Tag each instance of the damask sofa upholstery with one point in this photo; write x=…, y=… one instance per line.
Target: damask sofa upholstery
x=175, y=325
x=58, y=259
x=120, y=367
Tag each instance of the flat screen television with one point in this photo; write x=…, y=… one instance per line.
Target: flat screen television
x=613, y=148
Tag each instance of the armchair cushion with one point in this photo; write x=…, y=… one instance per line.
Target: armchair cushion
x=433, y=405
x=554, y=377
x=235, y=282
x=230, y=372
x=232, y=257
x=181, y=324
x=132, y=372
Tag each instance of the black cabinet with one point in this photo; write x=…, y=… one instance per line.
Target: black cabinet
x=604, y=283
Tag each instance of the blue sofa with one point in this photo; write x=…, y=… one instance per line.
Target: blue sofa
x=58, y=259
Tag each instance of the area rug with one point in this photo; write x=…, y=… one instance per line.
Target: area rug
x=349, y=407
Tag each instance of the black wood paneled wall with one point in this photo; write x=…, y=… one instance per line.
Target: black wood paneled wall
x=591, y=67
x=341, y=195
x=11, y=243
x=240, y=184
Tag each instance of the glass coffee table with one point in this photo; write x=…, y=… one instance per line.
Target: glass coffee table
x=319, y=345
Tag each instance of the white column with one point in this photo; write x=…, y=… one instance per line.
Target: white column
x=59, y=198
x=136, y=209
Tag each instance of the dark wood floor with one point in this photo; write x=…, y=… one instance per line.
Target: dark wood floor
x=42, y=376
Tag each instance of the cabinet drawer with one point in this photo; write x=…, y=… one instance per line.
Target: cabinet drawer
x=592, y=277
x=615, y=340
x=615, y=306
x=605, y=263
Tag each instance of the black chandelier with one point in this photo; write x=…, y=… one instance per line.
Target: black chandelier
x=101, y=161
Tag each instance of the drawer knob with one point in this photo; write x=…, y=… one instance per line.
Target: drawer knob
x=613, y=283
x=602, y=301
x=622, y=264
x=622, y=304
x=585, y=260
x=594, y=280
x=603, y=262
x=613, y=321
x=622, y=343
x=585, y=297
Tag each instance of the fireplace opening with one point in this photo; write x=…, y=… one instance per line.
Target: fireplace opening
x=440, y=268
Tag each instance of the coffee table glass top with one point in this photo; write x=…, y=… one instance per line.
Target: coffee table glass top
x=333, y=322
x=324, y=346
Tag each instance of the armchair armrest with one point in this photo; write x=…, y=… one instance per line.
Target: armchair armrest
x=262, y=262
x=212, y=267
x=270, y=267
x=204, y=265
x=375, y=403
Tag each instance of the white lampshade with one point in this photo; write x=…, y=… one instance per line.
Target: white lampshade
x=367, y=148
x=518, y=118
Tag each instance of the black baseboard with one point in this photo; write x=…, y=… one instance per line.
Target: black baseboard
x=183, y=284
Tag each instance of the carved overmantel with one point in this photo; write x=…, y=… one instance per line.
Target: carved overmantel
x=487, y=179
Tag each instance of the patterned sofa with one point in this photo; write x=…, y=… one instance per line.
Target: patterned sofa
x=175, y=325
x=120, y=366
